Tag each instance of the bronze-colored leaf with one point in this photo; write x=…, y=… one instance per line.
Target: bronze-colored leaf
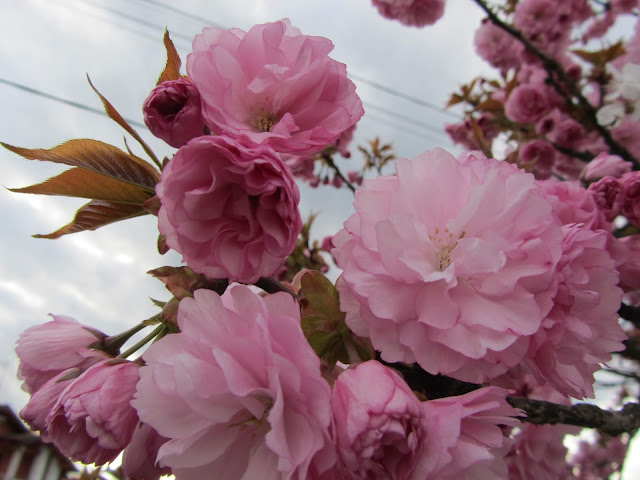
x=79, y=182
x=600, y=57
x=454, y=100
x=96, y=214
x=98, y=157
x=116, y=117
x=490, y=105
x=172, y=68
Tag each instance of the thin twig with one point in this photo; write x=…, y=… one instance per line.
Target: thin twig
x=327, y=158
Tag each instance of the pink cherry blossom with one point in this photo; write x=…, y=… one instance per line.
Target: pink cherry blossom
x=238, y=392
x=572, y=203
x=274, y=86
x=607, y=193
x=231, y=211
x=629, y=268
x=605, y=165
x=414, y=13
x=538, y=157
x=582, y=329
x=172, y=112
x=93, y=420
x=449, y=263
x=48, y=349
x=539, y=454
x=526, y=104
x=42, y=401
x=469, y=427
x=630, y=206
x=497, y=47
x=380, y=432
x=139, y=458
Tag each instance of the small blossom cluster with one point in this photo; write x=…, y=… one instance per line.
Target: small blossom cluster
x=81, y=397
x=229, y=201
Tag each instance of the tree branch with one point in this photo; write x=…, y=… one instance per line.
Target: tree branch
x=553, y=67
x=581, y=415
x=327, y=158
x=630, y=313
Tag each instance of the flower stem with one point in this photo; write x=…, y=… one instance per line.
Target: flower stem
x=142, y=342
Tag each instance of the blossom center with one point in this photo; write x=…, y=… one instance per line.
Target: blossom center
x=444, y=244
x=264, y=120
x=244, y=417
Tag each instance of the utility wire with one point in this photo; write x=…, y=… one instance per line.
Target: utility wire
x=71, y=103
x=184, y=13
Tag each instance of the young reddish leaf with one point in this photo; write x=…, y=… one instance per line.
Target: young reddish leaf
x=79, y=182
x=490, y=105
x=98, y=157
x=172, y=68
x=116, y=117
x=96, y=214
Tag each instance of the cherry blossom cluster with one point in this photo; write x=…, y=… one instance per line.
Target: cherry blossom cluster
x=499, y=277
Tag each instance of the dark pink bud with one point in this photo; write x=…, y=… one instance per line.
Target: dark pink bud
x=172, y=112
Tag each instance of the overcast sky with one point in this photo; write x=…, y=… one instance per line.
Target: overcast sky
x=99, y=277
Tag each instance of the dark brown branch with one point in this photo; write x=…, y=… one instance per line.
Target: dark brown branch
x=271, y=285
x=538, y=412
x=554, y=68
x=580, y=415
x=327, y=158
x=630, y=313
x=632, y=349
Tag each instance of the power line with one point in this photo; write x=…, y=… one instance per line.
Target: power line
x=184, y=13
x=88, y=108
x=71, y=103
x=400, y=94
x=406, y=118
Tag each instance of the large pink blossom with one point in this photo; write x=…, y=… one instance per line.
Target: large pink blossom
x=469, y=427
x=48, y=349
x=380, y=429
x=238, y=392
x=414, y=13
x=449, y=263
x=582, y=329
x=273, y=85
x=93, y=420
x=231, y=211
